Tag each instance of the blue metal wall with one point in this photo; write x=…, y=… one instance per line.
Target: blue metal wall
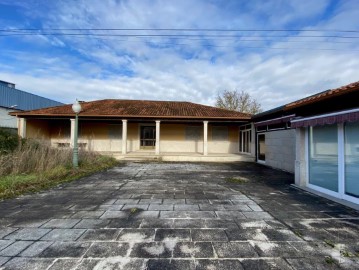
x=24, y=101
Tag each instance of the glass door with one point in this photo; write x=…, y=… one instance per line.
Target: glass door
x=148, y=137
x=261, y=146
x=323, y=157
x=245, y=141
x=351, y=159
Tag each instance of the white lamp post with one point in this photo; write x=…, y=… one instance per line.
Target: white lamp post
x=76, y=107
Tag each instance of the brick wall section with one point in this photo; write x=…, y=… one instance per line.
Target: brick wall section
x=280, y=149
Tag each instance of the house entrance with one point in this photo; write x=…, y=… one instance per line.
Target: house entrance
x=148, y=137
x=261, y=148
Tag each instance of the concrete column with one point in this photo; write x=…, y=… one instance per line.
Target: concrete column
x=300, y=157
x=253, y=140
x=205, y=138
x=158, y=137
x=124, y=137
x=72, y=133
x=22, y=127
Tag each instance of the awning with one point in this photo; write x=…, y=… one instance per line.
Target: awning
x=328, y=119
x=274, y=121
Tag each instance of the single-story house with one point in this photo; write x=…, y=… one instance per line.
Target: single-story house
x=134, y=128
x=12, y=99
x=317, y=138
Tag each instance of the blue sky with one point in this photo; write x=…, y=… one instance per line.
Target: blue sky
x=274, y=67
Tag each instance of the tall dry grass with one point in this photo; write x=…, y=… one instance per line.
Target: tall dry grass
x=35, y=156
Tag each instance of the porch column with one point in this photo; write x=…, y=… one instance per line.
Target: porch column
x=22, y=128
x=124, y=137
x=205, y=138
x=72, y=133
x=158, y=137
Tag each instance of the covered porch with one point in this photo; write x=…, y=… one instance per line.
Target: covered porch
x=144, y=139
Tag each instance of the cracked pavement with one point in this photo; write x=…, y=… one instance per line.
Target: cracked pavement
x=178, y=216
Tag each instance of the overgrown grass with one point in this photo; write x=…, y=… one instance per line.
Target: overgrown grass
x=34, y=166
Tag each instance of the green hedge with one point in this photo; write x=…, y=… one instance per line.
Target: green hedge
x=8, y=141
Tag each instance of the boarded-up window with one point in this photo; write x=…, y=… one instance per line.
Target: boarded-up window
x=65, y=131
x=193, y=133
x=220, y=133
x=115, y=132
x=61, y=130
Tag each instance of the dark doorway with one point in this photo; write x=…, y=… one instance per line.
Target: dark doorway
x=148, y=137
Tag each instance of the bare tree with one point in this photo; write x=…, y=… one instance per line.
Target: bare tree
x=238, y=101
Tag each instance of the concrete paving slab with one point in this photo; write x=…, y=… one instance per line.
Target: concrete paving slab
x=63, y=235
x=193, y=250
x=107, y=249
x=100, y=235
x=28, y=234
x=35, y=249
x=178, y=234
x=136, y=235
x=61, y=223
x=219, y=264
x=3, y=260
x=5, y=243
x=6, y=231
x=178, y=216
x=234, y=250
x=27, y=263
x=15, y=248
x=213, y=235
x=66, y=249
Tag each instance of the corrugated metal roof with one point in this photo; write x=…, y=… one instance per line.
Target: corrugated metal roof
x=9, y=97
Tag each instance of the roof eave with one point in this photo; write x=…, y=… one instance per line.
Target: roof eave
x=24, y=114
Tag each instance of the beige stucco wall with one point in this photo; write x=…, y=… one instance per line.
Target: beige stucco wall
x=96, y=135
x=37, y=129
x=97, y=138
x=280, y=149
x=224, y=146
x=133, y=137
x=173, y=139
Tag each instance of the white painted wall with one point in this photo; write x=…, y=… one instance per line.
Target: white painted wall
x=280, y=149
x=7, y=120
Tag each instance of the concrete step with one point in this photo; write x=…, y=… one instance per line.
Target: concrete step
x=186, y=158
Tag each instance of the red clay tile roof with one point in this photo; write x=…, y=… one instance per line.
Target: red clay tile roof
x=324, y=95
x=140, y=109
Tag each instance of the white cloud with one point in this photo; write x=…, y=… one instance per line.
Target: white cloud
x=138, y=68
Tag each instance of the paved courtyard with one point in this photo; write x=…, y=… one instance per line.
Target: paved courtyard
x=178, y=216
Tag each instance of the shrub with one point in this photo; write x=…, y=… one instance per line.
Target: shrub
x=8, y=141
x=35, y=165
x=39, y=157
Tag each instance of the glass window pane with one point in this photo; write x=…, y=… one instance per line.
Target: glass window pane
x=323, y=156
x=220, y=133
x=351, y=133
x=245, y=141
